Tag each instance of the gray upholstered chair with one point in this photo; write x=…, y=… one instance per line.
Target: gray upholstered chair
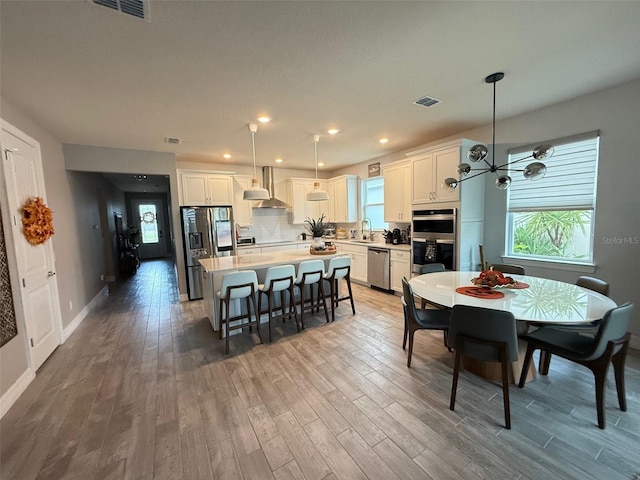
x=339, y=268
x=430, y=268
x=508, y=268
x=236, y=286
x=279, y=278
x=483, y=334
x=420, y=319
x=610, y=345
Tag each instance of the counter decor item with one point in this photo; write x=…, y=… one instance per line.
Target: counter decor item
x=317, y=228
x=37, y=221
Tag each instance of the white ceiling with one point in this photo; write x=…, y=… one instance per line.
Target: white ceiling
x=203, y=70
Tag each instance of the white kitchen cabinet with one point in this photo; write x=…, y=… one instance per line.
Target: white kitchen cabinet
x=343, y=198
x=278, y=248
x=400, y=267
x=202, y=188
x=248, y=251
x=242, y=209
x=429, y=171
x=301, y=209
x=358, y=255
x=397, y=192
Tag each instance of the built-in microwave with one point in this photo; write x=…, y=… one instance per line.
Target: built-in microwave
x=433, y=238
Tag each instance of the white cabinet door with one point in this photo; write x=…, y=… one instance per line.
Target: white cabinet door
x=219, y=189
x=332, y=213
x=397, y=193
x=242, y=209
x=422, y=174
x=430, y=170
x=400, y=267
x=301, y=209
x=359, y=265
x=194, y=189
x=344, y=199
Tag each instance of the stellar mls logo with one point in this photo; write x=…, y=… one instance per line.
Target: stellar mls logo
x=621, y=240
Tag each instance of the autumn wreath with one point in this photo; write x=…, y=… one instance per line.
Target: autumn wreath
x=37, y=221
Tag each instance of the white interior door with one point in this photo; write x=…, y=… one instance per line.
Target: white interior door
x=23, y=176
x=148, y=216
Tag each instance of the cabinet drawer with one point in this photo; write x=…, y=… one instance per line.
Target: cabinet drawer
x=248, y=251
x=400, y=254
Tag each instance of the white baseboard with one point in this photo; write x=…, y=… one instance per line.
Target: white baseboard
x=9, y=398
x=66, y=333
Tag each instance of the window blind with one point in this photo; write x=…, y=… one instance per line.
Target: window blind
x=570, y=181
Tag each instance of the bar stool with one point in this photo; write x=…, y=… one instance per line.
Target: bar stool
x=339, y=268
x=311, y=272
x=238, y=285
x=278, y=279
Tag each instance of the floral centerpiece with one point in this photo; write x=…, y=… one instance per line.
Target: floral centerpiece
x=317, y=228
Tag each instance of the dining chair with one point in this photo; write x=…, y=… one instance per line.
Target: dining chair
x=339, y=268
x=591, y=328
x=610, y=345
x=310, y=273
x=279, y=278
x=431, y=268
x=508, y=268
x=236, y=286
x=484, y=334
x=420, y=319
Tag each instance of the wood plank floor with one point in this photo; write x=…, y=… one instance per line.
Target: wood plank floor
x=143, y=390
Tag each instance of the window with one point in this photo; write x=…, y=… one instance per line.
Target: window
x=373, y=202
x=553, y=218
x=148, y=223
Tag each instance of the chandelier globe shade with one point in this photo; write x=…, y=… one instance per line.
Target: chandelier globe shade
x=255, y=192
x=317, y=194
x=479, y=153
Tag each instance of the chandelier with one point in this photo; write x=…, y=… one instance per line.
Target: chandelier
x=255, y=192
x=317, y=194
x=478, y=153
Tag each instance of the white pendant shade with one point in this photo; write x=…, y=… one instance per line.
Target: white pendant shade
x=255, y=192
x=316, y=195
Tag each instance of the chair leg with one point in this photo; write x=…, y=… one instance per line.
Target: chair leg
x=353, y=307
x=446, y=340
x=600, y=377
x=411, y=332
x=525, y=365
x=618, y=361
x=545, y=362
x=226, y=304
x=406, y=332
x=301, y=288
x=292, y=306
x=246, y=300
x=505, y=387
x=454, y=385
x=257, y=315
x=324, y=300
x=333, y=285
x=270, y=308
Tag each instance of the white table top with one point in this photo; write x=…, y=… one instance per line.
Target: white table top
x=544, y=301
x=261, y=260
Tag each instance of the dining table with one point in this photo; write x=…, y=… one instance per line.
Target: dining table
x=532, y=301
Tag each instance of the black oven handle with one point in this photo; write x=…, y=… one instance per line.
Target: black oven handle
x=438, y=240
x=435, y=217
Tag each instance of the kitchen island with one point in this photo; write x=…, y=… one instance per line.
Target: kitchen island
x=215, y=268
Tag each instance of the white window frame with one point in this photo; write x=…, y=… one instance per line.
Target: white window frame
x=552, y=200
x=364, y=184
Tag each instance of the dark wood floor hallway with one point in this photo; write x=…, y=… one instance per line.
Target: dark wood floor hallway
x=143, y=390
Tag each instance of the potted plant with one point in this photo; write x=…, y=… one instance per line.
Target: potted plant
x=317, y=228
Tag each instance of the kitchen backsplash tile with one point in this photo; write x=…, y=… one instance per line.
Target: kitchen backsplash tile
x=272, y=225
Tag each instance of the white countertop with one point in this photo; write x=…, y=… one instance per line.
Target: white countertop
x=390, y=246
x=257, y=260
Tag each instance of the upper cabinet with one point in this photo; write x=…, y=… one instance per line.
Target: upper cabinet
x=343, y=199
x=202, y=188
x=242, y=209
x=429, y=171
x=301, y=209
x=397, y=191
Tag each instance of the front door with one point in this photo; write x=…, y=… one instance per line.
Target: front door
x=23, y=177
x=148, y=216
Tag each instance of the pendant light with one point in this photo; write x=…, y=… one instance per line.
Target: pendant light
x=316, y=195
x=478, y=153
x=255, y=192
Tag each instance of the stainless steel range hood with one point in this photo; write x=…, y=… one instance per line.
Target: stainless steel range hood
x=268, y=183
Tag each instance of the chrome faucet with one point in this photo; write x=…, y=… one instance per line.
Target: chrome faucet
x=366, y=223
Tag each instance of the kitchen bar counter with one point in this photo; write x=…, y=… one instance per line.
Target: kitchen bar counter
x=299, y=243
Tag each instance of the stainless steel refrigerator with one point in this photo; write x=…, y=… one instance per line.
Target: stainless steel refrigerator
x=208, y=232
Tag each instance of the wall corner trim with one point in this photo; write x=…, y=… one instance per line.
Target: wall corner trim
x=10, y=396
x=69, y=329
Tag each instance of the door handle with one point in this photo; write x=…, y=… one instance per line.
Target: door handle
x=50, y=273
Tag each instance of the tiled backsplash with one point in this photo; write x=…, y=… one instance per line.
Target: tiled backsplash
x=272, y=225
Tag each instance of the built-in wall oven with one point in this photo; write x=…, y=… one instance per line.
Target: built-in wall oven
x=433, y=238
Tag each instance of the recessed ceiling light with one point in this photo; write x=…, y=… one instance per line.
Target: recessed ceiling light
x=279, y=160
x=321, y=164
x=383, y=140
x=264, y=119
x=332, y=131
x=227, y=155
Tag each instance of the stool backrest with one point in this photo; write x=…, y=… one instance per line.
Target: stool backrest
x=431, y=268
x=233, y=279
x=614, y=325
x=508, y=268
x=278, y=273
x=310, y=266
x=339, y=267
x=593, y=283
x=408, y=303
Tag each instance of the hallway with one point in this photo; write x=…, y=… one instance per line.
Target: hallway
x=143, y=390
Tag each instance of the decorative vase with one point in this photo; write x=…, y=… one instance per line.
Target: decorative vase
x=318, y=243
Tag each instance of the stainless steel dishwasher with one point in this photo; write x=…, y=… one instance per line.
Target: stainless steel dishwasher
x=378, y=270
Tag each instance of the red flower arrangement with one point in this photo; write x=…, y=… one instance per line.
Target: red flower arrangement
x=37, y=221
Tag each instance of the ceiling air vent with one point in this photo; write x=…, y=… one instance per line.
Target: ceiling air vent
x=134, y=8
x=174, y=140
x=427, y=101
